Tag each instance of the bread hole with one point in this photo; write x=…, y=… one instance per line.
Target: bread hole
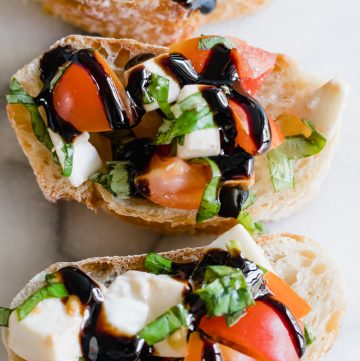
x=308, y=254
x=103, y=52
x=318, y=269
x=122, y=58
x=291, y=278
x=333, y=322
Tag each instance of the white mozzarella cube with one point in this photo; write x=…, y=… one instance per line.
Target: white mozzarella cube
x=200, y=143
x=86, y=160
x=153, y=67
x=137, y=298
x=249, y=249
x=324, y=106
x=48, y=333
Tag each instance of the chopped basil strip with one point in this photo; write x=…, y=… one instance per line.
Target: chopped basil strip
x=309, y=337
x=156, y=264
x=165, y=325
x=4, y=316
x=282, y=170
x=209, y=43
x=68, y=150
x=116, y=180
x=58, y=75
x=193, y=113
x=281, y=159
x=52, y=290
x=253, y=227
x=225, y=293
x=17, y=95
x=210, y=203
x=158, y=90
x=251, y=199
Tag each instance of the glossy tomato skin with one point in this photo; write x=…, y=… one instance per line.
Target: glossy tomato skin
x=172, y=182
x=253, y=64
x=262, y=332
x=285, y=294
x=76, y=97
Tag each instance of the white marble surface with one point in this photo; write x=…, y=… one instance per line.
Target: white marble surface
x=322, y=34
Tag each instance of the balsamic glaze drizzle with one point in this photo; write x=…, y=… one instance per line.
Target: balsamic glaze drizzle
x=205, y=6
x=99, y=344
x=111, y=101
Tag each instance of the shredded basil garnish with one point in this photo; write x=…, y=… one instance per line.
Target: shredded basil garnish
x=68, y=150
x=281, y=159
x=158, y=90
x=165, y=325
x=210, y=203
x=193, y=113
x=157, y=264
x=253, y=227
x=309, y=337
x=58, y=75
x=225, y=293
x=52, y=290
x=210, y=42
x=5, y=316
x=17, y=95
x=116, y=180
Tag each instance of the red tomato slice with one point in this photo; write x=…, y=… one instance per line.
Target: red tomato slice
x=253, y=64
x=229, y=354
x=262, y=331
x=243, y=138
x=285, y=294
x=277, y=136
x=172, y=182
x=195, y=347
x=76, y=98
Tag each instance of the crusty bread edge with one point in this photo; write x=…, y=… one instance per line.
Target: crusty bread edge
x=107, y=268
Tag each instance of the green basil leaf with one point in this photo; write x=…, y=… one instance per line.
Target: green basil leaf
x=157, y=264
x=194, y=114
x=210, y=203
x=4, y=316
x=281, y=159
x=225, y=293
x=253, y=227
x=251, y=199
x=54, y=290
x=158, y=90
x=116, y=180
x=68, y=150
x=58, y=75
x=17, y=95
x=309, y=337
x=210, y=42
x=165, y=325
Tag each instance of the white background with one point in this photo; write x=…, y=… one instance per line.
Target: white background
x=322, y=34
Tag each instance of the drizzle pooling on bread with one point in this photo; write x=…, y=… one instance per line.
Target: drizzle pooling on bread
x=100, y=345
x=205, y=6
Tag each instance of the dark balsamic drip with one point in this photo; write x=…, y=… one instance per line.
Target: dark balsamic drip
x=298, y=335
x=139, y=80
x=205, y=6
x=138, y=59
x=211, y=352
x=110, y=99
x=97, y=344
x=232, y=200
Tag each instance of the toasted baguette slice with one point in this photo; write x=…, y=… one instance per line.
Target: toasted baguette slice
x=162, y=22
x=287, y=88
x=301, y=262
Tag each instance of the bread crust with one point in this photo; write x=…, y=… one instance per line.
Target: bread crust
x=282, y=89
x=302, y=263
x=161, y=22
